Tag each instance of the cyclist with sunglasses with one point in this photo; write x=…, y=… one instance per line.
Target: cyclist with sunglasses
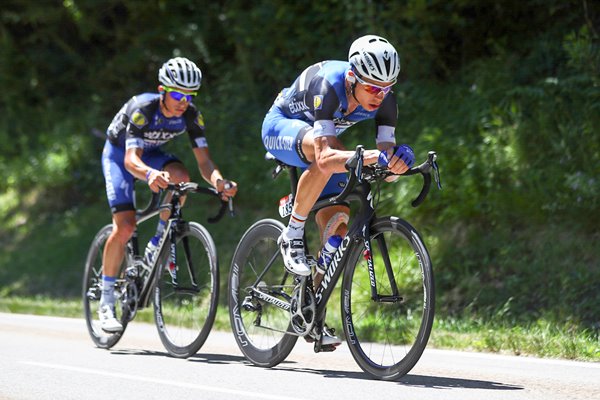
x=132, y=150
x=302, y=129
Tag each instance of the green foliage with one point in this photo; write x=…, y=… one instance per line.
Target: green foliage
x=507, y=93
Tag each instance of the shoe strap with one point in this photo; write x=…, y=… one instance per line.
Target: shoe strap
x=297, y=243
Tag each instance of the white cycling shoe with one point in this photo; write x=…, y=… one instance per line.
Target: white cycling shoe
x=328, y=337
x=108, y=322
x=294, y=258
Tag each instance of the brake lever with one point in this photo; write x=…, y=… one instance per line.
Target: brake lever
x=229, y=200
x=436, y=175
x=432, y=161
x=359, y=165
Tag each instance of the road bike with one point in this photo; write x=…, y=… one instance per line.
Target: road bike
x=182, y=279
x=387, y=292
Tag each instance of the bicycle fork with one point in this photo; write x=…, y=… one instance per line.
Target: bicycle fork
x=368, y=256
x=172, y=263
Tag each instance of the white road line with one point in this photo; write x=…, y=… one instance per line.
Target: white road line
x=159, y=381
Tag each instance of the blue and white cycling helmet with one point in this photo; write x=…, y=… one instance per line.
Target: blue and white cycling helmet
x=181, y=73
x=374, y=57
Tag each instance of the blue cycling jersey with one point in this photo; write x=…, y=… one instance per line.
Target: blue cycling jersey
x=317, y=102
x=319, y=95
x=140, y=123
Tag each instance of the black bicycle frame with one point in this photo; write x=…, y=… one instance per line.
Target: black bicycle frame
x=356, y=190
x=150, y=211
x=358, y=231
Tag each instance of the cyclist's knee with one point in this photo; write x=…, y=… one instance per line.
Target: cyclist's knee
x=333, y=221
x=123, y=226
x=178, y=172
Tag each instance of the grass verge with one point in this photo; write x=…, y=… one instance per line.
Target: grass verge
x=540, y=339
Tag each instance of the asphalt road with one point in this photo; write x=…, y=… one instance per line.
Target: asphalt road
x=54, y=358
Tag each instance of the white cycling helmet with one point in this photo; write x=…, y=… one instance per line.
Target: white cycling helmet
x=179, y=72
x=375, y=58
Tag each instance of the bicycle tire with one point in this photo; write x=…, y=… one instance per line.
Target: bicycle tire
x=184, y=313
x=92, y=290
x=387, y=338
x=259, y=333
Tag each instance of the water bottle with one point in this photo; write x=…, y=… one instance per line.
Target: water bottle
x=327, y=253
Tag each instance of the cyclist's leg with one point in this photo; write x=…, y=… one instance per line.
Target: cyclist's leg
x=160, y=160
x=114, y=251
x=288, y=139
x=331, y=221
x=119, y=191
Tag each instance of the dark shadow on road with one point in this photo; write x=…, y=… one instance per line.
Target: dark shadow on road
x=210, y=358
x=424, y=381
x=435, y=382
x=199, y=357
x=139, y=352
x=440, y=382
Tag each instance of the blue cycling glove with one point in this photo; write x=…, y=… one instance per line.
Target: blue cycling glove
x=403, y=152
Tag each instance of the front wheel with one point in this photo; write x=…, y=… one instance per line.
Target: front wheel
x=388, y=332
x=257, y=274
x=92, y=290
x=186, y=293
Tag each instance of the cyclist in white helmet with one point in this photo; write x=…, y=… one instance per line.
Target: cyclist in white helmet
x=303, y=126
x=132, y=150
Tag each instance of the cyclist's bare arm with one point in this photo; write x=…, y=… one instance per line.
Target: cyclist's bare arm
x=330, y=158
x=134, y=164
x=211, y=174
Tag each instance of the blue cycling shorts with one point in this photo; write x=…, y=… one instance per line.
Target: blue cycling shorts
x=119, y=181
x=282, y=137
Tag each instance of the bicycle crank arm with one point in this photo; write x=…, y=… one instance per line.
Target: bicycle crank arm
x=388, y=299
x=184, y=290
x=279, y=330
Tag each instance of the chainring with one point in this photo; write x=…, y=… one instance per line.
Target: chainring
x=302, y=316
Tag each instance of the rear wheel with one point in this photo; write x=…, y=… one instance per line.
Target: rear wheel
x=92, y=290
x=260, y=327
x=186, y=295
x=387, y=336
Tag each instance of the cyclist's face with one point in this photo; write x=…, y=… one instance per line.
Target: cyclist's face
x=176, y=100
x=370, y=94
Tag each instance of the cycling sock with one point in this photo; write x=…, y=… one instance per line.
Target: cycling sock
x=108, y=290
x=295, y=228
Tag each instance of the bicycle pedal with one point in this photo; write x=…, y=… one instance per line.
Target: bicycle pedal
x=324, y=348
x=309, y=339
